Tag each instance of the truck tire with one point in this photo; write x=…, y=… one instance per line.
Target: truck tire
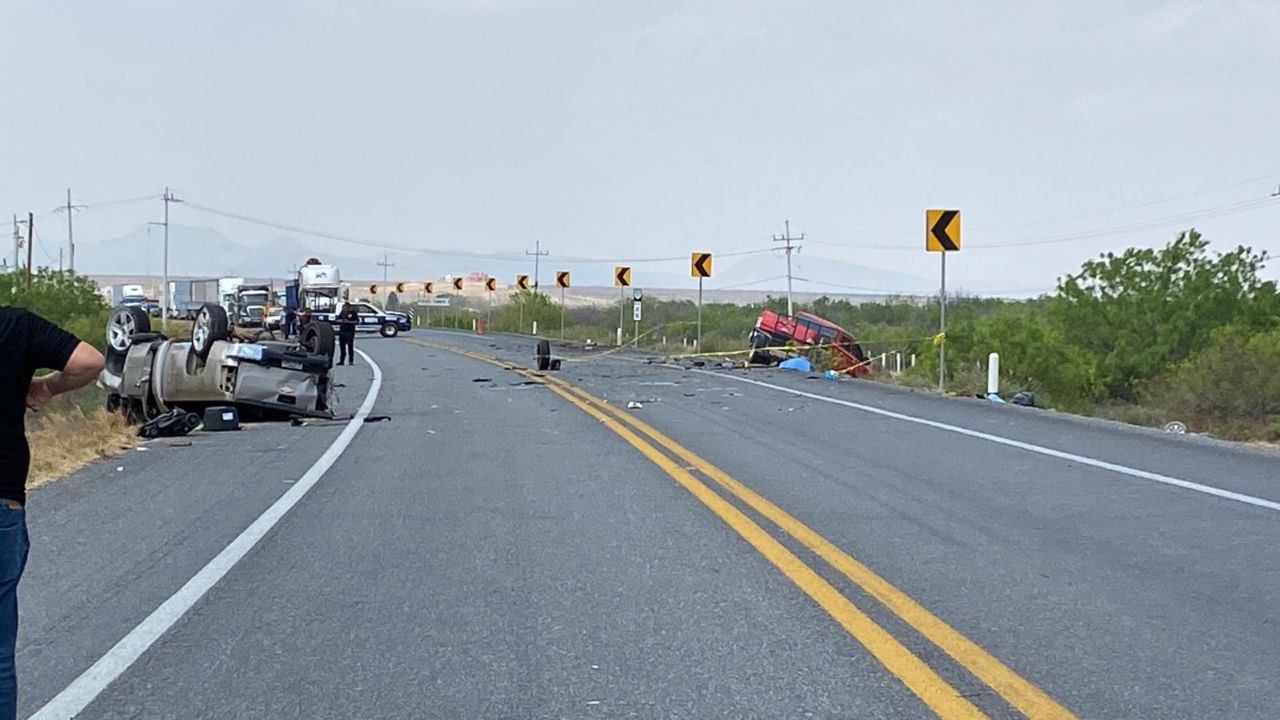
x=390, y=330
x=543, y=355
x=318, y=337
x=758, y=355
x=210, y=326
x=124, y=324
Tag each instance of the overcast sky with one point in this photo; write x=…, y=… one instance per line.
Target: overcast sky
x=643, y=129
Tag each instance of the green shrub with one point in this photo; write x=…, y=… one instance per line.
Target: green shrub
x=72, y=301
x=1230, y=388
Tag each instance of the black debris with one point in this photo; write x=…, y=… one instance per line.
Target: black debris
x=378, y=418
x=1025, y=399
x=174, y=423
x=482, y=379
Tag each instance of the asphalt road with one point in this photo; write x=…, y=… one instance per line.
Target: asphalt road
x=758, y=544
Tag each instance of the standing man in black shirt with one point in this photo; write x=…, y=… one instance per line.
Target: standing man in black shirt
x=29, y=343
x=347, y=321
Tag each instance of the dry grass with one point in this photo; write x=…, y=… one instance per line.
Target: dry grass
x=64, y=439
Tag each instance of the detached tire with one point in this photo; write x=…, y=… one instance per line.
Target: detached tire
x=390, y=330
x=124, y=325
x=759, y=341
x=543, y=355
x=318, y=338
x=210, y=326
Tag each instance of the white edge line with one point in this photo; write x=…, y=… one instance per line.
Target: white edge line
x=1102, y=464
x=84, y=689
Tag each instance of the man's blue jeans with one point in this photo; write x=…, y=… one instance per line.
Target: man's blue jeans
x=13, y=559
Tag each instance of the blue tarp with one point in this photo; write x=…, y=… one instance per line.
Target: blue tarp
x=796, y=363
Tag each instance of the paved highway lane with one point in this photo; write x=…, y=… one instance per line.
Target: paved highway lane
x=108, y=546
x=517, y=546
x=1119, y=597
x=494, y=552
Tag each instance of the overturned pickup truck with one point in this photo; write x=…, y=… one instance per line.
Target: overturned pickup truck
x=774, y=334
x=148, y=374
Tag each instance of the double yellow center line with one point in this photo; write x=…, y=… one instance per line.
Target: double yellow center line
x=935, y=692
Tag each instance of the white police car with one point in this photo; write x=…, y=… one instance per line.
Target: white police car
x=372, y=318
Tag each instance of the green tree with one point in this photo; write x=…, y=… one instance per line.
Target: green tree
x=1230, y=387
x=1137, y=314
x=72, y=301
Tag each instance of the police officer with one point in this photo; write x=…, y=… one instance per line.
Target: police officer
x=348, y=318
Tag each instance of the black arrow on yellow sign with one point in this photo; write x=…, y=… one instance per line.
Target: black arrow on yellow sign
x=622, y=276
x=491, y=284
x=522, y=282
x=429, y=287
x=941, y=231
x=457, y=284
x=700, y=265
x=562, y=278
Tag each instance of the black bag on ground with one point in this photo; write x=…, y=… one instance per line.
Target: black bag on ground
x=171, y=424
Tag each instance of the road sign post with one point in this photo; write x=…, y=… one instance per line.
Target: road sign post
x=522, y=284
x=562, y=279
x=491, y=285
x=636, y=308
x=942, y=235
x=700, y=267
x=621, y=278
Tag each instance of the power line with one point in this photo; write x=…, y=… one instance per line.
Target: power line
x=902, y=292
x=509, y=257
x=538, y=253
x=1139, y=206
x=1234, y=208
x=786, y=237
x=1203, y=214
x=1098, y=213
x=748, y=284
x=122, y=201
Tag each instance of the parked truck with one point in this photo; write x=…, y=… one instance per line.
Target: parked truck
x=186, y=297
x=126, y=294
x=227, y=289
x=249, y=309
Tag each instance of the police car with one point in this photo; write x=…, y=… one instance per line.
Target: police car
x=372, y=318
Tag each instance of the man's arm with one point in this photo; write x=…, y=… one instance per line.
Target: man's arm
x=82, y=367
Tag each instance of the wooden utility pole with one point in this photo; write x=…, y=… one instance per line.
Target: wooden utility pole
x=31, y=234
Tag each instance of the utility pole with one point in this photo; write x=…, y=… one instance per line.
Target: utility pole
x=31, y=234
x=70, y=209
x=786, y=238
x=17, y=244
x=384, y=265
x=538, y=253
x=165, y=301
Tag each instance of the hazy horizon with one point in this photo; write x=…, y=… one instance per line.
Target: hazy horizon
x=649, y=130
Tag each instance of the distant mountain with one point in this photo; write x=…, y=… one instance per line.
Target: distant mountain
x=197, y=251
x=200, y=251
x=816, y=274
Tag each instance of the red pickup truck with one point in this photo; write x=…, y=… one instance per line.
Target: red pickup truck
x=774, y=330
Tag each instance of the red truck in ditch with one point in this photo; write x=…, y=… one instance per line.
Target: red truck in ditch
x=774, y=331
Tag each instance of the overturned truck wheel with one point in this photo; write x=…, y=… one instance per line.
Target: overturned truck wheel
x=210, y=326
x=318, y=338
x=759, y=356
x=543, y=355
